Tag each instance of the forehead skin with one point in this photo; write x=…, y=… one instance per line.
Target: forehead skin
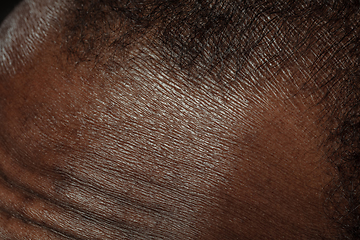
x=138, y=155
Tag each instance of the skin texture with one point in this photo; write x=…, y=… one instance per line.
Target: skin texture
x=135, y=161
x=138, y=153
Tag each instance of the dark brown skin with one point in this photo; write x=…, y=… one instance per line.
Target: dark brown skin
x=138, y=155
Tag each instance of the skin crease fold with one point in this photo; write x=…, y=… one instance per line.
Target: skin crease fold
x=139, y=153
x=172, y=176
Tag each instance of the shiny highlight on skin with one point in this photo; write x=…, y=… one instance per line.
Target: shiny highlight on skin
x=144, y=144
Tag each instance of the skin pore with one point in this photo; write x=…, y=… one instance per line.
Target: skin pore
x=127, y=130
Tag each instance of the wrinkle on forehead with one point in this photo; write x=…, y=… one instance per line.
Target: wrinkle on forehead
x=25, y=29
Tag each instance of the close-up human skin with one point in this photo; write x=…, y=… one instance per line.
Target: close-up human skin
x=180, y=120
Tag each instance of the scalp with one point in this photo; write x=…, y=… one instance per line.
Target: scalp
x=25, y=29
x=172, y=119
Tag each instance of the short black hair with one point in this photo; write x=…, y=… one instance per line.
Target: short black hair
x=245, y=43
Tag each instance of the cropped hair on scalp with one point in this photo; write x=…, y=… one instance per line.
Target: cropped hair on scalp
x=224, y=44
